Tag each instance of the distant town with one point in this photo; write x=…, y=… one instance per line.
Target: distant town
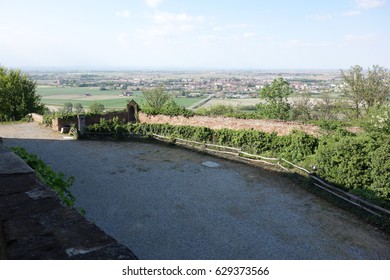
x=222, y=84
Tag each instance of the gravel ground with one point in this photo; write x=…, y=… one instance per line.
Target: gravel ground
x=169, y=203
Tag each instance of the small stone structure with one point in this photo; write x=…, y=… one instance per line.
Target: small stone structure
x=34, y=224
x=81, y=121
x=132, y=111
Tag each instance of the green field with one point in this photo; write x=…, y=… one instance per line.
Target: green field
x=57, y=96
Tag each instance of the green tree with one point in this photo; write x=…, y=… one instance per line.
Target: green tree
x=78, y=108
x=156, y=98
x=96, y=108
x=303, y=108
x=365, y=91
x=17, y=95
x=68, y=108
x=276, y=95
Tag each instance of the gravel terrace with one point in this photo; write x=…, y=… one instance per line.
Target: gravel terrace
x=169, y=203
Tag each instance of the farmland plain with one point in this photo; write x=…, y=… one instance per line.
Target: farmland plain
x=111, y=99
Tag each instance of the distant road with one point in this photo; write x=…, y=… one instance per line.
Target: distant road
x=163, y=203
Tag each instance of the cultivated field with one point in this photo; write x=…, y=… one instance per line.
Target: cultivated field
x=111, y=99
x=239, y=102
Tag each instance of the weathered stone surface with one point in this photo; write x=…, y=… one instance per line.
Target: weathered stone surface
x=11, y=164
x=16, y=183
x=34, y=224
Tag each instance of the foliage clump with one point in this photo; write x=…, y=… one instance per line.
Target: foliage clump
x=17, y=95
x=158, y=101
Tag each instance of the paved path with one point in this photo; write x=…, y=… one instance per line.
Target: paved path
x=164, y=204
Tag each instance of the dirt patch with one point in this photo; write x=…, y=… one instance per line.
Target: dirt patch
x=269, y=126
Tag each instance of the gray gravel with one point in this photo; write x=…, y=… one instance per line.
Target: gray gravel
x=165, y=203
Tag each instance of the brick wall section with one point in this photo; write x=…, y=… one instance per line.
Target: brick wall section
x=89, y=120
x=34, y=224
x=269, y=126
x=58, y=123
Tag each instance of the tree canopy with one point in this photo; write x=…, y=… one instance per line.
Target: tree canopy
x=17, y=95
x=276, y=94
x=96, y=108
x=366, y=90
x=156, y=98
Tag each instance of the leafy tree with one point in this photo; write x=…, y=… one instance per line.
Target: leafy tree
x=303, y=108
x=217, y=110
x=78, y=108
x=156, y=98
x=96, y=108
x=326, y=108
x=17, y=95
x=276, y=95
x=68, y=108
x=365, y=91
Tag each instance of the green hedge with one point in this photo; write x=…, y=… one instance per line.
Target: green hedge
x=357, y=163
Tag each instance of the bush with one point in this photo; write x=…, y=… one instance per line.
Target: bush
x=377, y=120
x=96, y=108
x=170, y=108
x=296, y=146
x=17, y=95
x=355, y=161
x=217, y=110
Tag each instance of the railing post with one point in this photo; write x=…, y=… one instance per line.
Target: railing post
x=81, y=123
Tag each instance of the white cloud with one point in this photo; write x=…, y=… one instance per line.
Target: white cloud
x=363, y=5
x=206, y=39
x=295, y=43
x=186, y=27
x=124, y=13
x=153, y=3
x=230, y=26
x=370, y=4
x=320, y=17
x=360, y=38
x=166, y=18
x=249, y=35
x=351, y=13
x=169, y=18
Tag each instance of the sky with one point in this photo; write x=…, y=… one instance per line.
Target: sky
x=195, y=34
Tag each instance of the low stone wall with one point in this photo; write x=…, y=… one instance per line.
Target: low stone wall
x=58, y=123
x=122, y=116
x=269, y=126
x=37, y=118
x=34, y=224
